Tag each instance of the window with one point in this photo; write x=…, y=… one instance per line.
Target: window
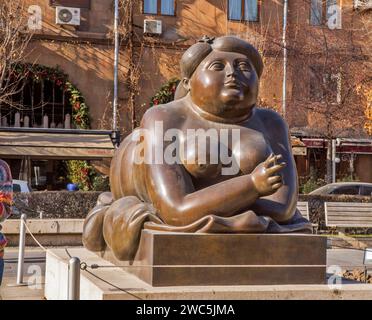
x=34, y=101
x=351, y=190
x=16, y=188
x=321, y=11
x=366, y=191
x=246, y=10
x=164, y=7
x=150, y=6
x=316, y=12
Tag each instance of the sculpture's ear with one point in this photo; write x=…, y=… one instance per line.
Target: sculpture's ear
x=186, y=83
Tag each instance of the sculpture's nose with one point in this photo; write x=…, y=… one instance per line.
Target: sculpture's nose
x=230, y=70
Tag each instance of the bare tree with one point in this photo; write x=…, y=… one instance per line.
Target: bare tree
x=365, y=88
x=14, y=40
x=329, y=66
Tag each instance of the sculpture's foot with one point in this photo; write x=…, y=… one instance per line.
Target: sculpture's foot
x=93, y=225
x=117, y=224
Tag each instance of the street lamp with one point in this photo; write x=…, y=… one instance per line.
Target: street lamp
x=115, y=131
x=335, y=160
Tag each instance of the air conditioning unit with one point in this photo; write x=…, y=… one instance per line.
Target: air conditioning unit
x=362, y=4
x=152, y=26
x=67, y=15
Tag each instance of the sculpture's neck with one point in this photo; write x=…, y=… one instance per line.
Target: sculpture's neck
x=211, y=117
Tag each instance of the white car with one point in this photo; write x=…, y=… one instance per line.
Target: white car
x=21, y=186
x=350, y=188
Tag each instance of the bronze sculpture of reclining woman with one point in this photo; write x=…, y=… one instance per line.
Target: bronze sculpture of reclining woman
x=218, y=91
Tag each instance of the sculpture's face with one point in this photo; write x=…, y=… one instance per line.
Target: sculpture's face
x=225, y=84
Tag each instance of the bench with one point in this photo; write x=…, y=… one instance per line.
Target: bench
x=303, y=207
x=348, y=214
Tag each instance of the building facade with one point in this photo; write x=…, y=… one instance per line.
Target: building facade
x=59, y=114
x=327, y=59
x=327, y=62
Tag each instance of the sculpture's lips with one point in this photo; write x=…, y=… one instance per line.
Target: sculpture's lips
x=232, y=85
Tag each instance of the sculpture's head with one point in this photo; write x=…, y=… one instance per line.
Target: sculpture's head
x=222, y=76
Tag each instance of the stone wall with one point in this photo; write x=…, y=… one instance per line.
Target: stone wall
x=316, y=208
x=55, y=204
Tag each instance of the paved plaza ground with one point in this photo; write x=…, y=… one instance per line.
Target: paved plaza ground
x=35, y=263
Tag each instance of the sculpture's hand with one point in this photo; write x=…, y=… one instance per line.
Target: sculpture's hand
x=264, y=175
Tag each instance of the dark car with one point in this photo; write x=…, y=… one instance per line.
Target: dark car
x=352, y=188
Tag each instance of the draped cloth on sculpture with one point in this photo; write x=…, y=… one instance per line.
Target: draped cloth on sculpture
x=129, y=215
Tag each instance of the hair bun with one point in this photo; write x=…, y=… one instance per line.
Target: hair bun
x=207, y=39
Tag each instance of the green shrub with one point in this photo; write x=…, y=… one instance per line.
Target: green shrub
x=101, y=183
x=348, y=178
x=312, y=184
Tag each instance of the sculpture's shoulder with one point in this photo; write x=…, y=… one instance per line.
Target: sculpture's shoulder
x=269, y=115
x=272, y=120
x=169, y=115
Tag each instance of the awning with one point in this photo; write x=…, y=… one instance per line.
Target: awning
x=358, y=146
x=56, y=145
x=315, y=142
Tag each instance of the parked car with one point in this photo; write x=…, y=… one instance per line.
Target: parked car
x=21, y=186
x=352, y=188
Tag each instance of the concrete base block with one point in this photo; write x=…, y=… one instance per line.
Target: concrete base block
x=49, y=232
x=189, y=259
x=110, y=282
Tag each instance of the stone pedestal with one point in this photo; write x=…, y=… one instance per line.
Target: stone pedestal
x=184, y=259
x=107, y=282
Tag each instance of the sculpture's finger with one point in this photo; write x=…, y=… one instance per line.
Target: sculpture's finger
x=272, y=159
x=275, y=179
x=276, y=186
x=274, y=169
x=278, y=157
x=269, y=159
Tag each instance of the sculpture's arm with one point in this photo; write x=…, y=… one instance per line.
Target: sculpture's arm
x=171, y=190
x=172, y=193
x=280, y=205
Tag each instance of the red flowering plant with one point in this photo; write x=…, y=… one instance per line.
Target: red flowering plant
x=166, y=93
x=80, y=110
x=81, y=173
x=37, y=72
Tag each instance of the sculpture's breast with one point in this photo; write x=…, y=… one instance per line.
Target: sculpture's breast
x=252, y=149
x=205, y=158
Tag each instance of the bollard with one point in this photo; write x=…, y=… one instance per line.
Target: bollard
x=73, y=290
x=21, y=250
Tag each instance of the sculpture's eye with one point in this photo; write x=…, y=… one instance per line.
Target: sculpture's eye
x=244, y=66
x=216, y=66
